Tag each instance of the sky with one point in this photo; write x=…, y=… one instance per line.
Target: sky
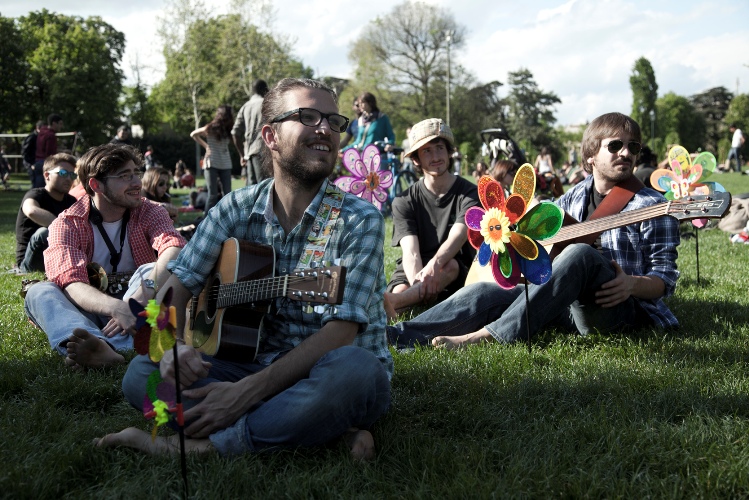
x=582, y=50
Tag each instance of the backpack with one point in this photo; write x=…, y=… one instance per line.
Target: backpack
x=28, y=148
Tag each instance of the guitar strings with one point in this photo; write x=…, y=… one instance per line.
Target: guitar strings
x=269, y=286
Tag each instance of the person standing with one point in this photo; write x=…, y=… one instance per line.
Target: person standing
x=214, y=137
x=353, y=127
x=122, y=138
x=374, y=125
x=46, y=145
x=246, y=133
x=737, y=141
x=39, y=207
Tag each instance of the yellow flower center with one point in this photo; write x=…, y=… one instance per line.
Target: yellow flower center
x=373, y=180
x=495, y=228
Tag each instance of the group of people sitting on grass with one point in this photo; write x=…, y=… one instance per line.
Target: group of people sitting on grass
x=319, y=374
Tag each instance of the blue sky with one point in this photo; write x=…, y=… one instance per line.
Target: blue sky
x=583, y=50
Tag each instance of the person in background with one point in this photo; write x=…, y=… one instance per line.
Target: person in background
x=737, y=141
x=122, y=138
x=481, y=170
x=46, y=145
x=353, y=127
x=374, y=125
x=246, y=134
x=215, y=137
x=155, y=187
x=645, y=166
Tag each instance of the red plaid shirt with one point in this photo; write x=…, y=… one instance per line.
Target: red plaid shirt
x=150, y=231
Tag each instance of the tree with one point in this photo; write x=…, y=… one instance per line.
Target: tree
x=407, y=51
x=74, y=71
x=713, y=105
x=529, y=112
x=644, y=93
x=738, y=112
x=676, y=115
x=13, y=74
x=135, y=103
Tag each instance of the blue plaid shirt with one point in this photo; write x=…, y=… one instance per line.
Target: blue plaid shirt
x=644, y=249
x=357, y=240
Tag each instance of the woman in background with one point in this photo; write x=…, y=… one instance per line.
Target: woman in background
x=374, y=125
x=154, y=187
x=215, y=137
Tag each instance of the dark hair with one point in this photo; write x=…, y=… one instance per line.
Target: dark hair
x=100, y=161
x=222, y=123
x=646, y=155
x=415, y=154
x=501, y=168
x=259, y=87
x=53, y=118
x=608, y=125
x=274, y=102
x=39, y=124
x=51, y=161
x=123, y=128
x=151, y=181
x=369, y=99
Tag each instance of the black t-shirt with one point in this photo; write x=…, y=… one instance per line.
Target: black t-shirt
x=430, y=218
x=26, y=227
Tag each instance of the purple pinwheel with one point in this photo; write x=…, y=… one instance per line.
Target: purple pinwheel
x=367, y=180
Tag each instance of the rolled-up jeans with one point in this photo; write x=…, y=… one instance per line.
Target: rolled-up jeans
x=567, y=300
x=347, y=387
x=51, y=310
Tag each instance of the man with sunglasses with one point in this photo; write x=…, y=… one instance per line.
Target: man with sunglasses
x=614, y=284
x=320, y=374
x=114, y=227
x=39, y=207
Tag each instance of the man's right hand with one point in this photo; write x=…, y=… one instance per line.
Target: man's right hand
x=191, y=366
x=122, y=321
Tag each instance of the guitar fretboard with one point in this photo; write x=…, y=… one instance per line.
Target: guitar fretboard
x=230, y=294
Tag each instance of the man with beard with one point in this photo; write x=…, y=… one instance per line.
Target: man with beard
x=614, y=284
x=121, y=231
x=319, y=374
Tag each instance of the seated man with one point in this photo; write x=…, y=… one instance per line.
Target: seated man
x=615, y=284
x=429, y=223
x=319, y=374
x=112, y=226
x=39, y=207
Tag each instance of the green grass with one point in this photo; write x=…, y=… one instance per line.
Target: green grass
x=649, y=414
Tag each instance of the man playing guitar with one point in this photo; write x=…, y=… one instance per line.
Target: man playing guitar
x=319, y=374
x=614, y=284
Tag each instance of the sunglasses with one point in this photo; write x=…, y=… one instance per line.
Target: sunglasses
x=64, y=173
x=312, y=118
x=617, y=145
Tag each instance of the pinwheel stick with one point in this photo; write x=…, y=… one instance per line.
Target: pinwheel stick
x=527, y=317
x=180, y=421
x=697, y=251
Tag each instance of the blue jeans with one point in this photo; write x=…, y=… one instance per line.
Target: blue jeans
x=36, y=174
x=34, y=258
x=734, y=153
x=212, y=177
x=567, y=300
x=49, y=308
x=347, y=387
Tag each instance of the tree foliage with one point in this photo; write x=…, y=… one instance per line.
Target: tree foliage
x=644, y=92
x=676, y=115
x=13, y=75
x=713, y=104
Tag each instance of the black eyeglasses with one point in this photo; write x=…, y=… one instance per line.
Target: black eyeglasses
x=616, y=145
x=126, y=177
x=312, y=118
x=64, y=173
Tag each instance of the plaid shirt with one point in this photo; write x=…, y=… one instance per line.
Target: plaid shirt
x=150, y=231
x=647, y=248
x=357, y=239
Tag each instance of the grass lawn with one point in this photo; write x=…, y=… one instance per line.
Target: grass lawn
x=650, y=414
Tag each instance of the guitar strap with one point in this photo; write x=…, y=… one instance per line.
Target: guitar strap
x=612, y=204
x=96, y=218
x=322, y=228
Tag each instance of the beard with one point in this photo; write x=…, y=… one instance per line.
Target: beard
x=298, y=169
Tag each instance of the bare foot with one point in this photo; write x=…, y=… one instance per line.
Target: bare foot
x=458, y=341
x=141, y=440
x=361, y=444
x=86, y=350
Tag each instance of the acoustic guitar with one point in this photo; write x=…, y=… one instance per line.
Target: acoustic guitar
x=712, y=206
x=224, y=320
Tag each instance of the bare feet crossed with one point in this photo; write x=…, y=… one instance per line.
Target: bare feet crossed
x=141, y=440
x=88, y=351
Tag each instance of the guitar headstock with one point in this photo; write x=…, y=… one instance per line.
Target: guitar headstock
x=320, y=285
x=712, y=206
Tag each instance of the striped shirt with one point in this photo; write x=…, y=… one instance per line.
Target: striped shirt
x=150, y=231
x=357, y=240
x=646, y=248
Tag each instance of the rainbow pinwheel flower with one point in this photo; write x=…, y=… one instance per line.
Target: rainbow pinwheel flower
x=159, y=403
x=154, y=327
x=683, y=178
x=505, y=234
x=367, y=181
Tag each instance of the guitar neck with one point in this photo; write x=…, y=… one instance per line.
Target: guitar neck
x=242, y=292
x=609, y=222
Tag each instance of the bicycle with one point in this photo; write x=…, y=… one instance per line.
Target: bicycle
x=403, y=178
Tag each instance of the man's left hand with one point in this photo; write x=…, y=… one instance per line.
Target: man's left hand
x=221, y=407
x=616, y=291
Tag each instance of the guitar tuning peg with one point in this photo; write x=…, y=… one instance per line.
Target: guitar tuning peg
x=319, y=309
x=313, y=264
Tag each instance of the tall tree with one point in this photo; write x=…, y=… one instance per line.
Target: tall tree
x=13, y=74
x=135, y=103
x=713, y=104
x=676, y=115
x=644, y=93
x=74, y=70
x=407, y=51
x=530, y=111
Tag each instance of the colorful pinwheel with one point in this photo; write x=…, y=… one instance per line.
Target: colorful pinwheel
x=505, y=234
x=159, y=402
x=682, y=179
x=367, y=181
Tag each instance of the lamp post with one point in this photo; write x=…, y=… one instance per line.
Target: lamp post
x=652, y=128
x=448, y=39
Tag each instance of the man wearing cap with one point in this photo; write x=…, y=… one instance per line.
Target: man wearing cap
x=429, y=223
x=616, y=283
